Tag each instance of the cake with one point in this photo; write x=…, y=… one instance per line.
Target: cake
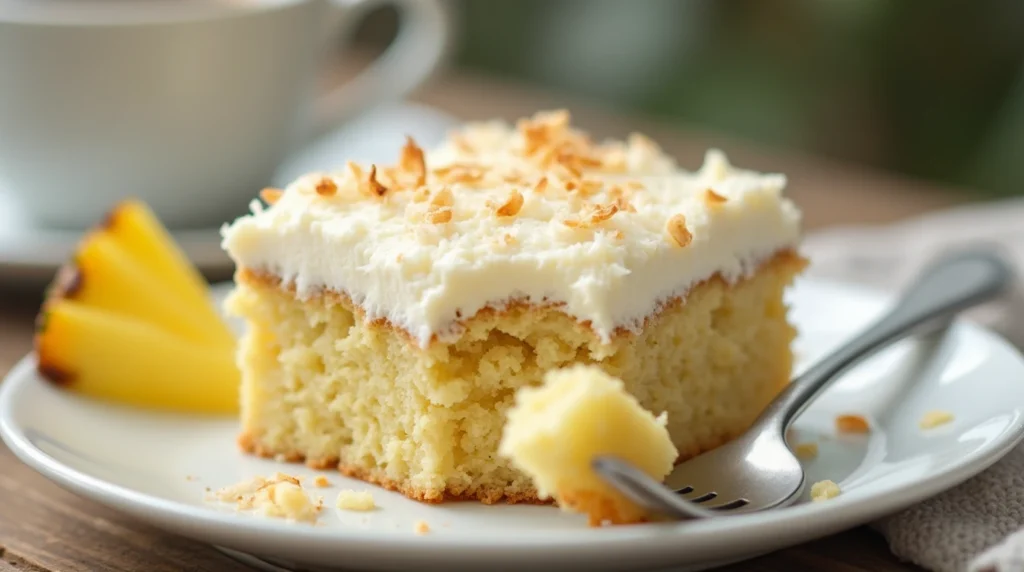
x=555, y=431
x=393, y=311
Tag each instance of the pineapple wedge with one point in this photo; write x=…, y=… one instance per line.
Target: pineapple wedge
x=131, y=265
x=105, y=275
x=118, y=358
x=129, y=319
x=141, y=235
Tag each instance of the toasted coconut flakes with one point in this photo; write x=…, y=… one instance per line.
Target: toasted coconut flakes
x=439, y=215
x=677, y=231
x=852, y=424
x=443, y=198
x=271, y=195
x=713, y=198
x=413, y=162
x=374, y=187
x=355, y=169
x=541, y=128
x=571, y=185
x=618, y=235
x=512, y=205
x=574, y=223
x=590, y=186
x=572, y=169
x=509, y=239
x=459, y=173
x=541, y=185
x=635, y=185
x=624, y=205
x=547, y=157
x=325, y=187
x=603, y=212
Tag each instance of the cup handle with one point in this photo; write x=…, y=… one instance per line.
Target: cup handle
x=418, y=48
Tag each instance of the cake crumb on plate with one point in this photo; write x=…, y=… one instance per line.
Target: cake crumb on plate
x=806, y=450
x=824, y=490
x=421, y=527
x=852, y=424
x=934, y=418
x=280, y=496
x=321, y=481
x=355, y=500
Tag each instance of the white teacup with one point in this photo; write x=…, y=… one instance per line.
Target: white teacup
x=189, y=105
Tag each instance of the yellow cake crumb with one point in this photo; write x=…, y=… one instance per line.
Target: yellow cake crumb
x=355, y=500
x=321, y=481
x=421, y=527
x=806, y=450
x=824, y=490
x=280, y=496
x=554, y=432
x=852, y=424
x=933, y=419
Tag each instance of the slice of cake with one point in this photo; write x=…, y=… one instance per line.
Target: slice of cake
x=394, y=310
x=555, y=431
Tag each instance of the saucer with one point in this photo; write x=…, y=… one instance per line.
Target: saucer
x=30, y=255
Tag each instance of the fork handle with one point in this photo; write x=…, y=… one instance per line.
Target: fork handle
x=949, y=285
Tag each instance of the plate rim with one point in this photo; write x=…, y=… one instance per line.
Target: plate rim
x=842, y=513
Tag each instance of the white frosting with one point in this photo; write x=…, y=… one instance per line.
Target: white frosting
x=422, y=276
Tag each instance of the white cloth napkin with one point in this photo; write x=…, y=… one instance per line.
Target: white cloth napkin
x=978, y=526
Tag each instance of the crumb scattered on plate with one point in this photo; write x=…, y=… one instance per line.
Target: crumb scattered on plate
x=852, y=424
x=280, y=496
x=806, y=450
x=321, y=481
x=421, y=527
x=355, y=500
x=824, y=490
x=934, y=418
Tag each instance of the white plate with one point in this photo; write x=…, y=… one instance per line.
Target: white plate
x=30, y=254
x=141, y=463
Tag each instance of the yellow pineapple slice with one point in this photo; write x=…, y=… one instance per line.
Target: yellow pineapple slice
x=129, y=319
x=137, y=230
x=105, y=275
x=121, y=358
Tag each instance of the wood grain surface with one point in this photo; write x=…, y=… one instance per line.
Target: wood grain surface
x=44, y=528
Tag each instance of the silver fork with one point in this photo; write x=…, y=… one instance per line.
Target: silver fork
x=758, y=471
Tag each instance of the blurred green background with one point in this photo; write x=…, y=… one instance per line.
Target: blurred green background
x=932, y=89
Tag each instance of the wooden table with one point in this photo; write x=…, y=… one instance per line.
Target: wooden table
x=44, y=528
